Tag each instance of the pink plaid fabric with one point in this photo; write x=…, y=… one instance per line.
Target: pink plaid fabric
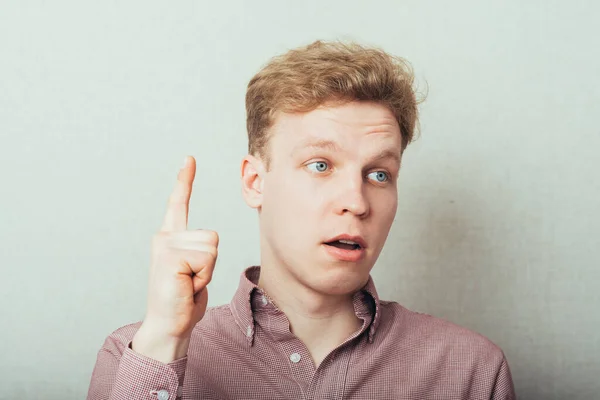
x=245, y=350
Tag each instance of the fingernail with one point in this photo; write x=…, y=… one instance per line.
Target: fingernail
x=185, y=161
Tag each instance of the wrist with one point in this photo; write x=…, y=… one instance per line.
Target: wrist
x=155, y=344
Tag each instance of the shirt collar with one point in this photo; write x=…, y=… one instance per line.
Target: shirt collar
x=366, y=303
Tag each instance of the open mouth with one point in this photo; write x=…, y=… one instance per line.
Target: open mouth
x=344, y=244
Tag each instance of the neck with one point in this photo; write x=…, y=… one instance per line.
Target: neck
x=322, y=322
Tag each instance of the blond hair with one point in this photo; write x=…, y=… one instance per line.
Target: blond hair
x=307, y=77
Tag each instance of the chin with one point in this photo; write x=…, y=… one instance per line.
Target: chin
x=339, y=281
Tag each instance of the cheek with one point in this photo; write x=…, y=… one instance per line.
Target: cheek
x=288, y=196
x=387, y=206
x=299, y=189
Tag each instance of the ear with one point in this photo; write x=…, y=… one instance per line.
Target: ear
x=253, y=172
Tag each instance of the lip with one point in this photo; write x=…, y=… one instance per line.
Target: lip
x=345, y=255
x=356, y=239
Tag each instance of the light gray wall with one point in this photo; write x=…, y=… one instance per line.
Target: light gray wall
x=497, y=227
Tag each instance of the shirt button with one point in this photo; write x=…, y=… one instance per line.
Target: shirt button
x=295, y=357
x=249, y=331
x=162, y=395
x=264, y=300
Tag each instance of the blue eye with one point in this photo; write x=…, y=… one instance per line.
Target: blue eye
x=320, y=166
x=380, y=176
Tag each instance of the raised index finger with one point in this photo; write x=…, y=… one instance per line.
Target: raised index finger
x=177, y=209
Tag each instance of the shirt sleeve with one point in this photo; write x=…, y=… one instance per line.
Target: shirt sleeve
x=122, y=374
x=504, y=388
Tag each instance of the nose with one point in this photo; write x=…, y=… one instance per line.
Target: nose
x=352, y=198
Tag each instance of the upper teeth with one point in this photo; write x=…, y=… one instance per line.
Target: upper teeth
x=347, y=241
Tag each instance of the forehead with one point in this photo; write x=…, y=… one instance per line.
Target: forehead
x=358, y=122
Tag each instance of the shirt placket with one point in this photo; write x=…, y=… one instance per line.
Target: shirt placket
x=293, y=350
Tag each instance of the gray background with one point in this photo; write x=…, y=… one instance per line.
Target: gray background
x=497, y=227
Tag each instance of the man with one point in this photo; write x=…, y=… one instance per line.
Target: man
x=327, y=126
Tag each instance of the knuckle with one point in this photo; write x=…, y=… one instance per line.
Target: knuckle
x=163, y=242
x=191, y=257
x=161, y=236
x=212, y=237
x=205, y=257
x=158, y=241
x=205, y=236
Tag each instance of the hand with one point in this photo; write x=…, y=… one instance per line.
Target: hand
x=182, y=265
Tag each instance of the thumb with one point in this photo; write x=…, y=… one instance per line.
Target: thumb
x=201, y=298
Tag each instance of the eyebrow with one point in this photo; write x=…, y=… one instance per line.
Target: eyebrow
x=388, y=154
x=330, y=145
x=324, y=144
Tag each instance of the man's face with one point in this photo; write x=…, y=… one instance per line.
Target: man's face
x=333, y=172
